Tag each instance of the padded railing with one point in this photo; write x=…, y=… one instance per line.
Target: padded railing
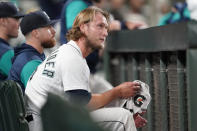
x=59, y=115
x=12, y=109
x=164, y=57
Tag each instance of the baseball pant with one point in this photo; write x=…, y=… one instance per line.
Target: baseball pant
x=36, y=124
x=114, y=119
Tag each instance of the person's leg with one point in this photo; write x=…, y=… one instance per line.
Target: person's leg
x=35, y=124
x=117, y=103
x=31, y=109
x=114, y=119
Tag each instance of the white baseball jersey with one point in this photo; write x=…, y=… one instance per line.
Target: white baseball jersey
x=65, y=69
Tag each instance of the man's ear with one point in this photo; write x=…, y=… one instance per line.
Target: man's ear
x=3, y=21
x=35, y=33
x=83, y=28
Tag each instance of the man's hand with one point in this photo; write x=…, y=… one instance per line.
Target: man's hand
x=128, y=89
x=124, y=90
x=115, y=25
x=135, y=25
x=139, y=121
x=132, y=26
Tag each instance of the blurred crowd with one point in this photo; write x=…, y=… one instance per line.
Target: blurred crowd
x=145, y=13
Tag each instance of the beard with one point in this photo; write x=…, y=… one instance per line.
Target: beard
x=93, y=45
x=13, y=35
x=49, y=43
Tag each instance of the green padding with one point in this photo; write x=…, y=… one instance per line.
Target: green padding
x=5, y=62
x=192, y=88
x=28, y=69
x=12, y=107
x=59, y=115
x=72, y=10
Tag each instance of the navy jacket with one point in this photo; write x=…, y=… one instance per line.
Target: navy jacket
x=6, y=54
x=25, y=61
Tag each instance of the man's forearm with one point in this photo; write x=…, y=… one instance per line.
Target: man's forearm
x=124, y=90
x=100, y=100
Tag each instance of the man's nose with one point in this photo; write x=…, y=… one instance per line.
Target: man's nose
x=18, y=23
x=53, y=30
x=106, y=33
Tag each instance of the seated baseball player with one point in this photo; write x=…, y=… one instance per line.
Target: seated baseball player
x=39, y=33
x=66, y=73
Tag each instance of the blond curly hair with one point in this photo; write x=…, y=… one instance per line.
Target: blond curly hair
x=84, y=17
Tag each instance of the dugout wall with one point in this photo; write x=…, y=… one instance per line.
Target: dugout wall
x=165, y=57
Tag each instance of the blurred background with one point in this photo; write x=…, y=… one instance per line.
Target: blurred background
x=147, y=12
x=152, y=10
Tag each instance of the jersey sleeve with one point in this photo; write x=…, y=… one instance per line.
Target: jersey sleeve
x=72, y=10
x=28, y=69
x=5, y=62
x=81, y=97
x=74, y=74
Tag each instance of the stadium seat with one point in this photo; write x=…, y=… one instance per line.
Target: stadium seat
x=59, y=115
x=12, y=109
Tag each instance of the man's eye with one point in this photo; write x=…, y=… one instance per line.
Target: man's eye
x=100, y=26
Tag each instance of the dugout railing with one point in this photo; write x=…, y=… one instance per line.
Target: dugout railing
x=12, y=107
x=165, y=57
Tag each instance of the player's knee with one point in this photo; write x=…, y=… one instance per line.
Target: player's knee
x=127, y=119
x=125, y=114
